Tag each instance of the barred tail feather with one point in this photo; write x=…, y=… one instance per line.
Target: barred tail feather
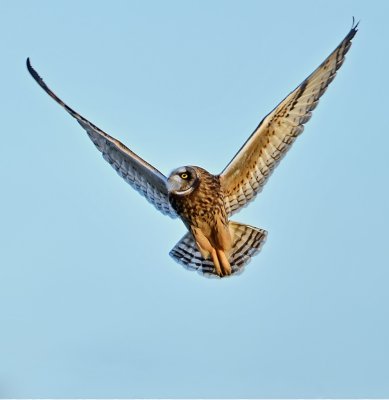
x=247, y=242
x=186, y=253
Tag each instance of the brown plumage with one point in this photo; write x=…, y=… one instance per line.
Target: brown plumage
x=204, y=214
x=215, y=246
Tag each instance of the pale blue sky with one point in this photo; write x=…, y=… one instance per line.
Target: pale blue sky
x=91, y=305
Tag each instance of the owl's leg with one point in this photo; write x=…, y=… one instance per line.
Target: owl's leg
x=206, y=249
x=225, y=264
x=216, y=263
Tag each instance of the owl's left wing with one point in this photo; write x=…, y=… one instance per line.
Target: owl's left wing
x=247, y=173
x=142, y=176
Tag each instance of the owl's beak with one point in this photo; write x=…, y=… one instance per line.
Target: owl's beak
x=173, y=183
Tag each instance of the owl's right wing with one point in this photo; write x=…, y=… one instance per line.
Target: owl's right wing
x=247, y=173
x=142, y=176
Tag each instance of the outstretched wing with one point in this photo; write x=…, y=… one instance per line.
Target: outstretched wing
x=142, y=176
x=249, y=170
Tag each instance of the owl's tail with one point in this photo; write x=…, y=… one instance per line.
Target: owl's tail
x=247, y=242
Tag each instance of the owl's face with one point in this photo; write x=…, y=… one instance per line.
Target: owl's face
x=182, y=181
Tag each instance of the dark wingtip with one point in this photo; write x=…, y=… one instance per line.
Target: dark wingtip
x=35, y=74
x=352, y=32
x=354, y=25
x=31, y=70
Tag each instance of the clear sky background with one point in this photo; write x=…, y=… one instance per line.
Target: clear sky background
x=91, y=304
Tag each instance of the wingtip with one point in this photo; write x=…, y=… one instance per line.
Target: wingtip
x=354, y=25
x=29, y=66
x=28, y=63
x=352, y=32
x=33, y=73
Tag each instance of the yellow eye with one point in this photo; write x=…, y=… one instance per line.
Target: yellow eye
x=184, y=176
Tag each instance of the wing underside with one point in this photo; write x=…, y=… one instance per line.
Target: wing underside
x=142, y=176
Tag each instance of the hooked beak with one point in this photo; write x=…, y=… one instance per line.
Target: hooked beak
x=173, y=183
x=174, y=186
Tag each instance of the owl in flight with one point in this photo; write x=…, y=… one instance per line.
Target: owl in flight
x=214, y=245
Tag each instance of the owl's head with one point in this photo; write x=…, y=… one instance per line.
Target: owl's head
x=182, y=181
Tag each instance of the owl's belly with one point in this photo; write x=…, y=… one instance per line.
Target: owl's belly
x=210, y=220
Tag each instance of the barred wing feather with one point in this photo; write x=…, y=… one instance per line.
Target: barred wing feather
x=142, y=176
x=247, y=173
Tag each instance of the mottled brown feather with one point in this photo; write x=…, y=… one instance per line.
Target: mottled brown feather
x=204, y=214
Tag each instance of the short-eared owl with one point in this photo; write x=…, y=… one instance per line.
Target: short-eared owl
x=213, y=245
